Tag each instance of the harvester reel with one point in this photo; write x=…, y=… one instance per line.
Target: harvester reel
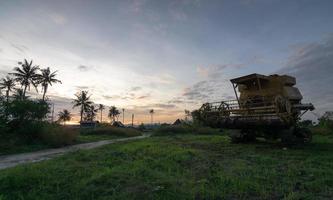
x=223, y=109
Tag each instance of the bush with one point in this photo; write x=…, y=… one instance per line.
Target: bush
x=28, y=110
x=185, y=129
x=109, y=130
x=56, y=135
x=3, y=126
x=321, y=130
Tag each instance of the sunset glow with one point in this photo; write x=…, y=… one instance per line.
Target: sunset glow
x=167, y=55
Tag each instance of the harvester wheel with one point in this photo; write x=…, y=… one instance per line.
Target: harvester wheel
x=242, y=136
x=304, y=134
x=296, y=136
x=288, y=137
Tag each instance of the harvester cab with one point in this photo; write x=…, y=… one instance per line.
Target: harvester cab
x=262, y=102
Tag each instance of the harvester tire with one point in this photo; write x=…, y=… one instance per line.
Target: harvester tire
x=304, y=134
x=294, y=136
x=242, y=136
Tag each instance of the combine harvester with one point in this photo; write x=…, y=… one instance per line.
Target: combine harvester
x=267, y=106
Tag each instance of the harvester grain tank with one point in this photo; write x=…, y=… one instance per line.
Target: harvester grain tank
x=267, y=106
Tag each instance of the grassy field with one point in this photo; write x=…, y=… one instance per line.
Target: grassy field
x=15, y=144
x=179, y=167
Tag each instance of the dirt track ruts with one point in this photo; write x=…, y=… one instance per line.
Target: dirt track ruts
x=37, y=156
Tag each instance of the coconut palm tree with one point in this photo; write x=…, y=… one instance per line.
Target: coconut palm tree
x=101, y=107
x=18, y=95
x=83, y=101
x=64, y=116
x=26, y=75
x=8, y=84
x=90, y=113
x=46, y=78
x=151, y=115
x=113, y=113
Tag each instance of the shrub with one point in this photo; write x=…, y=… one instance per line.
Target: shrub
x=3, y=126
x=109, y=130
x=185, y=129
x=23, y=113
x=321, y=130
x=142, y=127
x=56, y=135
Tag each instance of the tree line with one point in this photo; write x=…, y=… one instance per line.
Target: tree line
x=18, y=112
x=17, y=108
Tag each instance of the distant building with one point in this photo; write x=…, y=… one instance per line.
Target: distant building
x=89, y=124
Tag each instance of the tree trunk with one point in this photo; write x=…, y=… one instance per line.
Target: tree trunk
x=101, y=115
x=7, y=96
x=45, y=90
x=25, y=89
x=81, y=114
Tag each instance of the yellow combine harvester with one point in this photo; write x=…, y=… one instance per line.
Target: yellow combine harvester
x=265, y=106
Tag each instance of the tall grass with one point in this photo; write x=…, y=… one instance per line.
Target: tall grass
x=56, y=135
x=110, y=130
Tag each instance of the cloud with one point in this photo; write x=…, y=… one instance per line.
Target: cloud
x=312, y=65
x=109, y=97
x=84, y=68
x=82, y=87
x=216, y=71
x=137, y=88
x=58, y=19
x=143, y=97
x=137, y=5
x=158, y=106
x=164, y=78
x=20, y=48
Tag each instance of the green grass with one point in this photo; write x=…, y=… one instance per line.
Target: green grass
x=13, y=144
x=179, y=167
x=84, y=138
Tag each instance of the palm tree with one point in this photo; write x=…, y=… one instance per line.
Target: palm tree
x=18, y=95
x=27, y=75
x=46, y=78
x=151, y=115
x=64, y=116
x=82, y=100
x=90, y=113
x=101, y=107
x=113, y=113
x=8, y=84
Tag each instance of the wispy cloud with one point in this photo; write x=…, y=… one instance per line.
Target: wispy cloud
x=136, y=88
x=311, y=64
x=84, y=68
x=58, y=18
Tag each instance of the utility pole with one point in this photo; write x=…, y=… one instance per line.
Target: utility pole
x=132, y=120
x=123, y=115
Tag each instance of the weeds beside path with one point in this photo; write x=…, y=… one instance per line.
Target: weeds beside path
x=13, y=160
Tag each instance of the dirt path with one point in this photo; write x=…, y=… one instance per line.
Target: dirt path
x=16, y=159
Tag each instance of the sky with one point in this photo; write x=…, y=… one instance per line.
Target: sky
x=169, y=55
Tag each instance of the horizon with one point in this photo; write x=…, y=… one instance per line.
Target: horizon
x=168, y=55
